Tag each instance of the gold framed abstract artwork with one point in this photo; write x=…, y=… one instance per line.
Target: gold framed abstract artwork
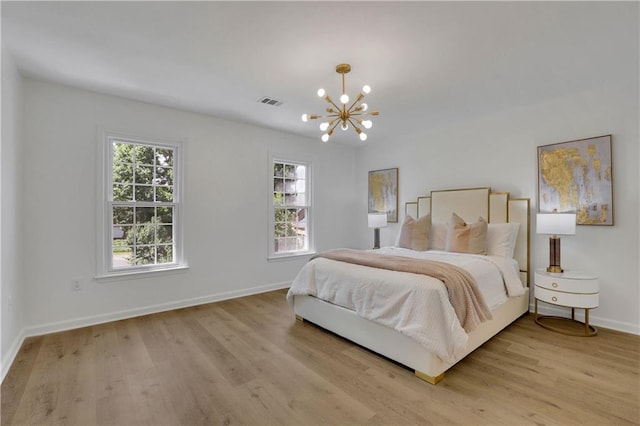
x=383, y=193
x=577, y=177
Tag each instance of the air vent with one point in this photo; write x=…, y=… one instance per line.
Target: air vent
x=269, y=101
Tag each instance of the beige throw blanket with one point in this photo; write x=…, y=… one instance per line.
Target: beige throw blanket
x=466, y=299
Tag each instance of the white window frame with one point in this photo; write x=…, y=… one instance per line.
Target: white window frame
x=105, y=202
x=272, y=254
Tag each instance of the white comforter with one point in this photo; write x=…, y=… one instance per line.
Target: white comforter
x=414, y=305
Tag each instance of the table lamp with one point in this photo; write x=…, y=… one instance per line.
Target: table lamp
x=377, y=221
x=555, y=224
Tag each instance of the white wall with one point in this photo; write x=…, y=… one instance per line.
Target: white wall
x=500, y=151
x=226, y=216
x=11, y=263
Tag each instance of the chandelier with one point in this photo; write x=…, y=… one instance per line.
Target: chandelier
x=344, y=115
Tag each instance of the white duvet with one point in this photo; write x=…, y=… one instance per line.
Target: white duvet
x=412, y=304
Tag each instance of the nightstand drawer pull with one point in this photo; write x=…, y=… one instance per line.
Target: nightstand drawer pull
x=555, y=299
x=554, y=285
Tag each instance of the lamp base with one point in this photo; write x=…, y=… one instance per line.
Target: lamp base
x=554, y=255
x=376, y=238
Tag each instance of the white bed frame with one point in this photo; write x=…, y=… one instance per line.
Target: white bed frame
x=469, y=204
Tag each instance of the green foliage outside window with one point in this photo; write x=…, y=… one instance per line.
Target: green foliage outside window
x=143, y=180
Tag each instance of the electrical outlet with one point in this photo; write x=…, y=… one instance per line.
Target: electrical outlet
x=76, y=284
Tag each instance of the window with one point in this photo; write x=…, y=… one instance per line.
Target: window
x=141, y=205
x=290, y=208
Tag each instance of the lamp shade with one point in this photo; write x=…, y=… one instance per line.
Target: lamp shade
x=556, y=223
x=377, y=220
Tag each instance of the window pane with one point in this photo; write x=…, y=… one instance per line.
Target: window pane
x=122, y=256
x=164, y=157
x=164, y=193
x=300, y=185
x=144, y=174
x=123, y=215
x=291, y=244
x=290, y=185
x=122, y=192
x=301, y=172
x=125, y=232
x=278, y=169
x=122, y=152
x=301, y=243
x=280, y=229
x=165, y=215
x=278, y=185
x=144, y=193
x=165, y=254
x=164, y=176
x=164, y=234
x=145, y=234
x=278, y=199
x=289, y=171
x=123, y=173
x=145, y=255
x=295, y=199
x=144, y=214
x=144, y=154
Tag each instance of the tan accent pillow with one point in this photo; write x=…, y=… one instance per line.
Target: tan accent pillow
x=465, y=237
x=414, y=233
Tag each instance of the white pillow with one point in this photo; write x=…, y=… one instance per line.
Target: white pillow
x=501, y=239
x=438, y=236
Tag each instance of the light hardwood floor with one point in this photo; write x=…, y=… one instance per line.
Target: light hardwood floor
x=247, y=361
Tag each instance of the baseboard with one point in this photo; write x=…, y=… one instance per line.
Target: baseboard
x=55, y=327
x=546, y=309
x=7, y=361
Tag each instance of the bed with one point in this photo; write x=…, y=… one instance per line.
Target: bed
x=424, y=337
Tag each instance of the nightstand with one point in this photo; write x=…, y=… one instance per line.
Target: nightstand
x=575, y=290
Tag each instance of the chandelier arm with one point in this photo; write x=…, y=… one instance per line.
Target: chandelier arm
x=356, y=128
x=328, y=99
x=337, y=121
x=358, y=99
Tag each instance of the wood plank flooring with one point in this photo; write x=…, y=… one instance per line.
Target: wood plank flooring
x=247, y=361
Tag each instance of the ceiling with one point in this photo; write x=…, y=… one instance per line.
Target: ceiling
x=428, y=63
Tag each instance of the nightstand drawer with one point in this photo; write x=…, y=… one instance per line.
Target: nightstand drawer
x=568, y=283
x=572, y=300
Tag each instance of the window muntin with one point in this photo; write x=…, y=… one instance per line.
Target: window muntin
x=142, y=205
x=290, y=208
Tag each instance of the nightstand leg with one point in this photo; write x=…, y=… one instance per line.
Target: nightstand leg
x=586, y=322
x=573, y=314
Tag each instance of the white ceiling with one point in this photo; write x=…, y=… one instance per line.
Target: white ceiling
x=429, y=63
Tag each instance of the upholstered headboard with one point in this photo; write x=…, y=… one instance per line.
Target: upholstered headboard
x=471, y=203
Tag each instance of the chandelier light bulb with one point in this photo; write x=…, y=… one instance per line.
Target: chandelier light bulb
x=325, y=137
x=324, y=126
x=321, y=92
x=364, y=106
x=366, y=89
x=363, y=136
x=344, y=126
x=367, y=124
x=344, y=98
x=305, y=117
